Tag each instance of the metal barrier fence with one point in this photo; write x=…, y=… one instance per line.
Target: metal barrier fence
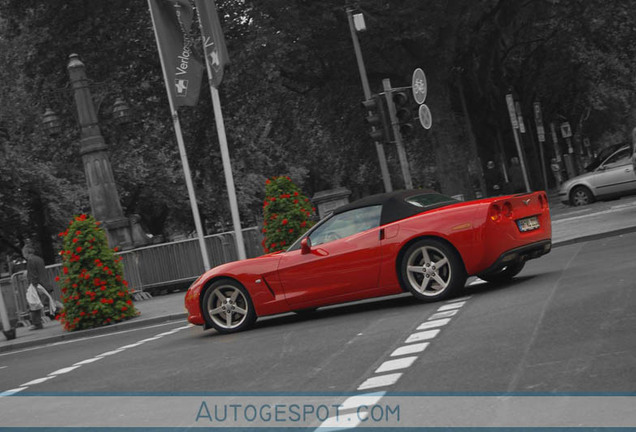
x=152, y=267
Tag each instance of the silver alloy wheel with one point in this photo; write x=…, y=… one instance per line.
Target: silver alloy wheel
x=428, y=270
x=580, y=197
x=227, y=307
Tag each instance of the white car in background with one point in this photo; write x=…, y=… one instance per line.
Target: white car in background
x=608, y=176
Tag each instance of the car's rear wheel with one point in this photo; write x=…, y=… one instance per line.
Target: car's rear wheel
x=227, y=306
x=580, y=196
x=432, y=270
x=504, y=274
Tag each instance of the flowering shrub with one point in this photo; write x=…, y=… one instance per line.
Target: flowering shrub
x=286, y=214
x=94, y=291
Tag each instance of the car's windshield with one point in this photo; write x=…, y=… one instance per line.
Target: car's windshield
x=603, y=154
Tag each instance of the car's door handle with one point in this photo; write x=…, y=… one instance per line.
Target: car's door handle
x=381, y=233
x=627, y=169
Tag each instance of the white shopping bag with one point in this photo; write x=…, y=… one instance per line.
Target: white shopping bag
x=33, y=298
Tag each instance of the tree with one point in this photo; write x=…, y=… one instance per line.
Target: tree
x=94, y=291
x=286, y=214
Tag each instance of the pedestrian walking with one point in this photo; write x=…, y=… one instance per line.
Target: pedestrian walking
x=37, y=289
x=494, y=180
x=517, y=185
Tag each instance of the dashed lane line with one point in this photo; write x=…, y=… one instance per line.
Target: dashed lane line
x=88, y=361
x=415, y=343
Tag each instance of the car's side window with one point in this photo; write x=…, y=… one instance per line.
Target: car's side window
x=346, y=224
x=617, y=159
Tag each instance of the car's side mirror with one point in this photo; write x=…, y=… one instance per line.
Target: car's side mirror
x=305, y=246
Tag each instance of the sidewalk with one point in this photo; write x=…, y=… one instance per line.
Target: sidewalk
x=569, y=225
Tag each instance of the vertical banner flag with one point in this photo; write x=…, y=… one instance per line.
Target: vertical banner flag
x=213, y=40
x=173, y=20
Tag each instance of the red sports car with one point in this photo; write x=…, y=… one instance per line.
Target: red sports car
x=417, y=241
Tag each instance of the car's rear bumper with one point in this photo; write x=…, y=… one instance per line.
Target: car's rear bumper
x=523, y=253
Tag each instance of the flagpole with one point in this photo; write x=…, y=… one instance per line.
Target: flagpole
x=225, y=157
x=182, y=150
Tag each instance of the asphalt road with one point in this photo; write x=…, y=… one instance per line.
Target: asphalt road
x=565, y=324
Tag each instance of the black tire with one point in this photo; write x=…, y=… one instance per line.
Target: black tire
x=580, y=196
x=504, y=274
x=228, y=307
x=422, y=274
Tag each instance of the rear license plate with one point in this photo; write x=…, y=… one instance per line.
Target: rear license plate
x=528, y=224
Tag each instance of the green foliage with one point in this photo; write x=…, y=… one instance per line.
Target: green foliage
x=94, y=291
x=286, y=214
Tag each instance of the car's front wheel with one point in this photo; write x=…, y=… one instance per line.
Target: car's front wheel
x=432, y=270
x=503, y=274
x=580, y=196
x=227, y=306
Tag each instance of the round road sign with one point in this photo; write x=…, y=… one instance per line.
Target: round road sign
x=425, y=116
x=418, y=85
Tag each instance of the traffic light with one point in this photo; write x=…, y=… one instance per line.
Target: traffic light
x=376, y=118
x=403, y=113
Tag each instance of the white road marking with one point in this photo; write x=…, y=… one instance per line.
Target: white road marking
x=342, y=422
x=87, y=361
x=88, y=338
x=12, y=391
x=37, y=381
x=432, y=324
x=421, y=336
x=410, y=349
x=109, y=353
x=380, y=381
x=450, y=306
x=363, y=399
x=2, y=367
x=444, y=314
x=64, y=370
x=391, y=365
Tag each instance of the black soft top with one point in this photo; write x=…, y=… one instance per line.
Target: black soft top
x=394, y=204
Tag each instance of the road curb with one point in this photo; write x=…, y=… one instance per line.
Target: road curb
x=115, y=328
x=594, y=236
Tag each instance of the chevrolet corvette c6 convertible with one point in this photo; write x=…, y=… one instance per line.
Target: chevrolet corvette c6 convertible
x=415, y=241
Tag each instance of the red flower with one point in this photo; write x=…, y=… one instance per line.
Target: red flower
x=124, y=308
x=125, y=282
x=284, y=222
x=267, y=181
x=264, y=230
x=78, y=233
x=75, y=240
x=303, y=224
x=291, y=230
x=82, y=313
x=295, y=201
x=94, y=312
x=295, y=193
x=78, y=249
x=65, y=270
x=116, y=248
x=57, y=278
x=129, y=302
x=74, y=285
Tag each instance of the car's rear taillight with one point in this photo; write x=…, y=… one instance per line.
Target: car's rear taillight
x=494, y=213
x=507, y=209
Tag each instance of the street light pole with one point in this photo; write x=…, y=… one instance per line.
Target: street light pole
x=367, y=95
x=102, y=190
